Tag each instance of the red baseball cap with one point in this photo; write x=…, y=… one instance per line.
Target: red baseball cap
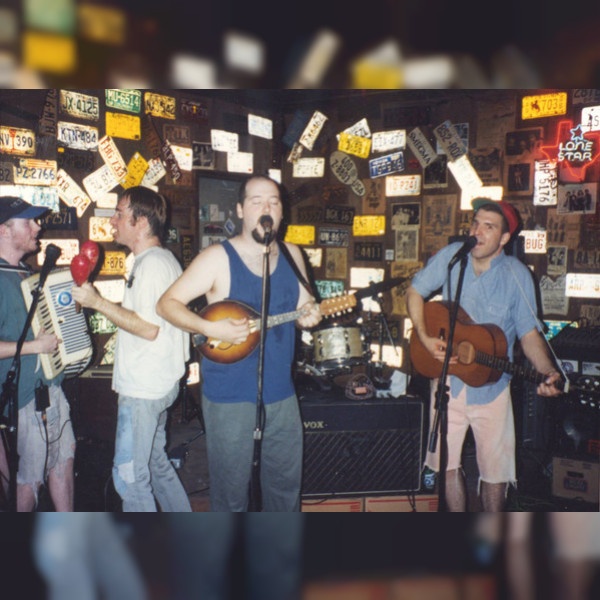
x=510, y=214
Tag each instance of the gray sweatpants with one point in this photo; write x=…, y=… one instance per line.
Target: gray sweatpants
x=230, y=448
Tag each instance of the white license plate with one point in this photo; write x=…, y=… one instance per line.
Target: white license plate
x=35, y=172
x=403, y=185
x=309, y=167
x=100, y=229
x=14, y=140
x=82, y=137
x=79, y=105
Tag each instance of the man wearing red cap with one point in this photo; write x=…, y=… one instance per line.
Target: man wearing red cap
x=497, y=289
x=44, y=451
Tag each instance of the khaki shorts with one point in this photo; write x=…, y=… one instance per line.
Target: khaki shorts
x=32, y=438
x=494, y=432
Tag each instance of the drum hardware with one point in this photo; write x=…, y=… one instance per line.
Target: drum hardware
x=343, y=345
x=338, y=347
x=307, y=374
x=375, y=369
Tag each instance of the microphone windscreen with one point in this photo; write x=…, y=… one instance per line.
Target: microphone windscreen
x=267, y=222
x=53, y=252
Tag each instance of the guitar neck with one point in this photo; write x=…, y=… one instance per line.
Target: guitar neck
x=328, y=307
x=280, y=319
x=504, y=365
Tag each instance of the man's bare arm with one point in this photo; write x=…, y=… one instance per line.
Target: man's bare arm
x=44, y=343
x=536, y=351
x=201, y=277
x=123, y=318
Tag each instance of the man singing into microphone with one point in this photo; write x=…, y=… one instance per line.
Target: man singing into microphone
x=497, y=289
x=44, y=451
x=233, y=270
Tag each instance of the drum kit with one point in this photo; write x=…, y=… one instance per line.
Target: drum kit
x=343, y=346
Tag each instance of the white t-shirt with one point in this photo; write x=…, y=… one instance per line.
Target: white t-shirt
x=143, y=368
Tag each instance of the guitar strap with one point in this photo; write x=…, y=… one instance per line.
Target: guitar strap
x=311, y=288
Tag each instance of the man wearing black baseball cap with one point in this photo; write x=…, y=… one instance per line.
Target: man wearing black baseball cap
x=45, y=449
x=12, y=207
x=498, y=289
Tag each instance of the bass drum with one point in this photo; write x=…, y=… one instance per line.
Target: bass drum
x=337, y=347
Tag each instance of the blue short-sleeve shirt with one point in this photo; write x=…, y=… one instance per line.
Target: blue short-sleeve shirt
x=503, y=295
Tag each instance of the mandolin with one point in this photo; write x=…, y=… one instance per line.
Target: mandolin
x=481, y=349
x=226, y=353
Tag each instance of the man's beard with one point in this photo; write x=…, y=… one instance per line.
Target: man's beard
x=261, y=238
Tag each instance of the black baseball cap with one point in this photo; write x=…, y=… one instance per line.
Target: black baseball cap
x=12, y=207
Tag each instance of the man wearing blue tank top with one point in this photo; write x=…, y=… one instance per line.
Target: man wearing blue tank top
x=233, y=270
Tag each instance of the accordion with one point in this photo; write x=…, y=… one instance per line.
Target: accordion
x=56, y=314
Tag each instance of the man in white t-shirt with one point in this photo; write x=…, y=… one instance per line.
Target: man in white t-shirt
x=150, y=357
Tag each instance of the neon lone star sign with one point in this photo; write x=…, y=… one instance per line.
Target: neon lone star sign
x=575, y=152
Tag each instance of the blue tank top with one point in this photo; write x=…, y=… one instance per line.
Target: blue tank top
x=238, y=382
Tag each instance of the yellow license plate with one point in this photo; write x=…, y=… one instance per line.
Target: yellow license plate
x=354, y=144
x=158, y=105
x=136, y=169
x=544, y=105
x=369, y=225
x=300, y=234
x=123, y=126
x=114, y=263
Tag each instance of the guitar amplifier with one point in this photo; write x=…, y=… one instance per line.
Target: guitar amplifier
x=577, y=343
x=361, y=447
x=579, y=350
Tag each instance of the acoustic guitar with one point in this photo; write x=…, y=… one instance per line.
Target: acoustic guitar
x=481, y=349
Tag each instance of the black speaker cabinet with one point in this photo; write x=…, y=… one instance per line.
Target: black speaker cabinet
x=94, y=410
x=361, y=447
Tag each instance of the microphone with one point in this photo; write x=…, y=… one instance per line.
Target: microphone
x=266, y=222
x=52, y=254
x=463, y=251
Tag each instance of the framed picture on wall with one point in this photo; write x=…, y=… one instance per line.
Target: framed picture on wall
x=518, y=178
x=407, y=214
x=524, y=141
x=203, y=156
x=435, y=175
x=577, y=198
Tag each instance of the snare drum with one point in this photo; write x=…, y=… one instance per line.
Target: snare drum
x=338, y=347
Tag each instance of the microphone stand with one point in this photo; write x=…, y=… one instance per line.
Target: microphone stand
x=10, y=393
x=383, y=326
x=255, y=498
x=442, y=395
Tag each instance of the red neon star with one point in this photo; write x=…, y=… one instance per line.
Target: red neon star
x=576, y=169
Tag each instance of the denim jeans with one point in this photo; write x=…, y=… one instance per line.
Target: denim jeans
x=201, y=552
x=142, y=470
x=230, y=447
x=82, y=554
